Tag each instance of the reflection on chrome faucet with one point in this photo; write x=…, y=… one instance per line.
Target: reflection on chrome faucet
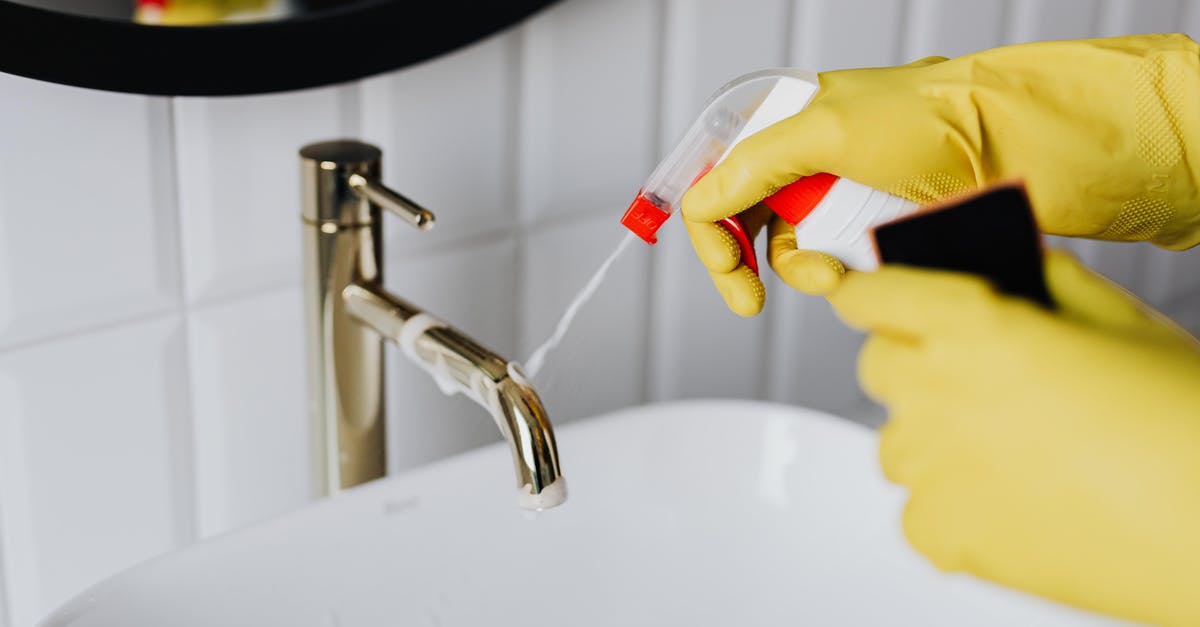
x=349, y=315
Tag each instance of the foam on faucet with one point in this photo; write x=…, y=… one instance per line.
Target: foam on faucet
x=550, y=496
x=414, y=328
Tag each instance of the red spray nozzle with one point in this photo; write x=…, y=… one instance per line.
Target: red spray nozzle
x=737, y=110
x=644, y=218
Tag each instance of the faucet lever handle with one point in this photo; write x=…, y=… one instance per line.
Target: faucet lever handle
x=377, y=193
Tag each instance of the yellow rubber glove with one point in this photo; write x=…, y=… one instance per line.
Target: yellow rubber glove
x=1053, y=452
x=1099, y=130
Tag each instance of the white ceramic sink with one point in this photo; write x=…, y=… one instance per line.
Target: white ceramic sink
x=703, y=513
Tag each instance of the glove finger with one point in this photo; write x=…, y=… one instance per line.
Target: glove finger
x=808, y=271
x=1081, y=293
x=921, y=441
x=928, y=530
x=1085, y=295
x=894, y=372
x=763, y=163
x=930, y=60
x=887, y=366
x=918, y=436
x=896, y=442
x=742, y=290
x=936, y=520
x=911, y=302
x=715, y=246
x=909, y=446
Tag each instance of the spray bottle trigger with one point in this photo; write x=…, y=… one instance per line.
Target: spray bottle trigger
x=735, y=228
x=793, y=203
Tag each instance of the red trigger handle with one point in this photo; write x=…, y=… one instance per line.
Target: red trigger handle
x=735, y=228
x=793, y=203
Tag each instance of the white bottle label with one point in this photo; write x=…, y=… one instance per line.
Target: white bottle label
x=841, y=223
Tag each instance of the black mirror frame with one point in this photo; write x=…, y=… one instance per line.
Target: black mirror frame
x=323, y=48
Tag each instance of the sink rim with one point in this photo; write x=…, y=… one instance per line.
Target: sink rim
x=77, y=605
x=858, y=524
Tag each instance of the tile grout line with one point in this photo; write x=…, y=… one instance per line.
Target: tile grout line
x=5, y=606
x=902, y=52
x=183, y=431
x=350, y=109
x=774, y=355
x=904, y=44
x=771, y=314
x=17, y=488
x=904, y=37
x=1102, y=17
x=187, y=308
x=7, y=616
x=652, y=361
x=513, y=231
x=1007, y=27
x=522, y=226
x=6, y=609
x=202, y=304
x=102, y=327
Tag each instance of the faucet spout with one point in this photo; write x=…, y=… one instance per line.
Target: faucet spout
x=460, y=364
x=522, y=419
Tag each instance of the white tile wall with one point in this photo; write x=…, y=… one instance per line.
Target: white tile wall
x=4, y=612
x=1120, y=17
x=601, y=364
x=1189, y=18
x=94, y=467
x=1166, y=277
x=450, y=147
x=589, y=92
x=1036, y=20
x=950, y=28
x=151, y=373
x=239, y=186
x=831, y=34
x=246, y=359
x=50, y=217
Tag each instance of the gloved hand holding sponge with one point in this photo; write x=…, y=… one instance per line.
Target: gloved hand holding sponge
x=1099, y=131
x=1052, y=451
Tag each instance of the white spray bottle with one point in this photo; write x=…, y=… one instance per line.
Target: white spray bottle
x=830, y=214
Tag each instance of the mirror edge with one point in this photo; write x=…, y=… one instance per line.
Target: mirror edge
x=308, y=51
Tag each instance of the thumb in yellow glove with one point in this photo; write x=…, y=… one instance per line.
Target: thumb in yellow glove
x=1053, y=452
x=1098, y=129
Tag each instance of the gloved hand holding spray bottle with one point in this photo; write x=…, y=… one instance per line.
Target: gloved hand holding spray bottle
x=830, y=214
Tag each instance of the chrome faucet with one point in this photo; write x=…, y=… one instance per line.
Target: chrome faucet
x=350, y=314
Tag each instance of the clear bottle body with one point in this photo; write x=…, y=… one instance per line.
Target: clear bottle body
x=836, y=220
